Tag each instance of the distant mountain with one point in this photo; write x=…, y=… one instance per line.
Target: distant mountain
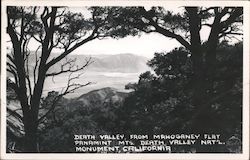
x=126, y=63
x=99, y=98
x=102, y=95
x=119, y=63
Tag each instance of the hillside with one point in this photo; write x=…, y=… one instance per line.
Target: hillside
x=99, y=98
x=103, y=94
x=95, y=99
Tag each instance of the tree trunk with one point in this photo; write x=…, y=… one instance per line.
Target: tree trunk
x=197, y=56
x=210, y=57
x=30, y=139
x=31, y=117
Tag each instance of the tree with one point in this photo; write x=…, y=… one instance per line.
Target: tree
x=162, y=102
x=224, y=23
x=54, y=29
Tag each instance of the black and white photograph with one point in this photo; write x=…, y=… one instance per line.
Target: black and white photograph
x=129, y=79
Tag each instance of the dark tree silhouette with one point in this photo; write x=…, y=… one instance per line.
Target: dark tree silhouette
x=162, y=102
x=54, y=29
x=224, y=23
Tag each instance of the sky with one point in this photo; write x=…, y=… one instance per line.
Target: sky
x=145, y=45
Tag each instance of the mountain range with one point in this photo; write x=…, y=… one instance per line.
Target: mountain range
x=125, y=63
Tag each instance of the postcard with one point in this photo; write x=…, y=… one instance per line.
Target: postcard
x=124, y=79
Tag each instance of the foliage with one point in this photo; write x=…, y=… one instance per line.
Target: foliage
x=74, y=117
x=162, y=102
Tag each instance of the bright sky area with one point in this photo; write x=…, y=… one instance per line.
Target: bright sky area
x=145, y=45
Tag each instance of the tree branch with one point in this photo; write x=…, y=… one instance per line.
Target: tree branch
x=68, y=51
x=230, y=33
x=207, y=10
x=207, y=24
x=71, y=68
x=14, y=113
x=170, y=34
x=36, y=65
x=238, y=11
x=166, y=32
x=13, y=85
x=10, y=58
x=68, y=89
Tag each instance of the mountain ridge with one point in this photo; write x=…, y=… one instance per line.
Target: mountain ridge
x=99, y=97
x=123, y=62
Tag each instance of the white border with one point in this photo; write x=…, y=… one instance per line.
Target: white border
x=160, y=156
